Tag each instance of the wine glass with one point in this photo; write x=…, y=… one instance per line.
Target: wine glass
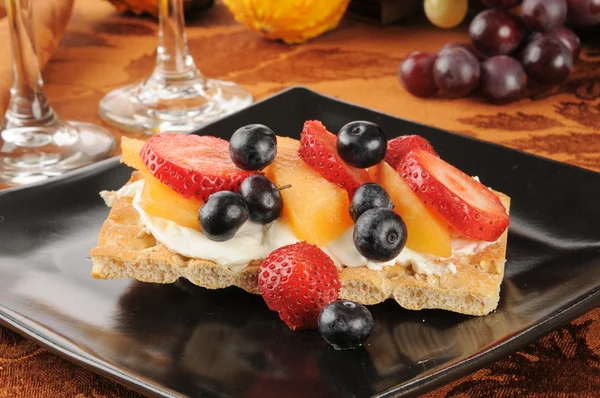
x=35, y=143
x=176, y=97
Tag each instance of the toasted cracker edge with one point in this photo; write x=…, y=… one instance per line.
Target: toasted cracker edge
x=126, y=250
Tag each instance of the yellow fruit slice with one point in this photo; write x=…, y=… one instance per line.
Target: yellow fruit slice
x=426, y=232
x=374, y=173
x=157, y=198
x=130, y=153
x=317, y=210
x=161, y=201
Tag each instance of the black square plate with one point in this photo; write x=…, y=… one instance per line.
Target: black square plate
x=181, y=340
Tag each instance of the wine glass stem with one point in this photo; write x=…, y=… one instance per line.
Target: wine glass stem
x=173, y=60
x=28, y=104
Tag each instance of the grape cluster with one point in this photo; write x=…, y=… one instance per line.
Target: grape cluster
x=508, y=47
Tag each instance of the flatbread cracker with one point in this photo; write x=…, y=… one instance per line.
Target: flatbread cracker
x=126, y=250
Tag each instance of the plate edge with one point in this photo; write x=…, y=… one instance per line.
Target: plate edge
x=91, y=364
x=498, y=352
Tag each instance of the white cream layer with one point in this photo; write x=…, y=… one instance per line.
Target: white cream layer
x=254, y=241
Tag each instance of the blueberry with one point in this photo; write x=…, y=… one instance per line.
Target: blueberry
x=369, y=196
x=361, y=144
x=222, y=215
x=253, y=147
x=263, y=199
x=345, y=324
x=380, y=234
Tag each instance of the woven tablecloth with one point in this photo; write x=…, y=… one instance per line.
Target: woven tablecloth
x=102, y=50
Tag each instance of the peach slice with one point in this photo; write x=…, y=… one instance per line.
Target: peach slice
x=157, y=198
x=316, y=209
x=426, y=232
x=161, y=201
x=130, y=153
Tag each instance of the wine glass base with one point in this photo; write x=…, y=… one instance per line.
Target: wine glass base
x=176, y=107
x=32, y=154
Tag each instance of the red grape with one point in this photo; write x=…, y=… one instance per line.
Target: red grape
x=416, y=74
x=543, y=15
x=568, y=38
x=584, y=12
x=467, y=46
x=501, y=3
x=502, y=79
x=547, y=60
x=455, y=44
x=495, y=32
x=456, y=72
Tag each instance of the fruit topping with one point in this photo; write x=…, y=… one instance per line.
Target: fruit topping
x=130, y=153
x=194, y=166
x=297, y=281
x=318, y=149
x=464, y=203
x=543, y=15
x=345, y=324
x=369, y=196
x=547, y=60
x=223, y=215
x=379, y=234
x=316, y=209
x=399, y=147
x=161, y=201
x=263, y=199
x=416, y=74
x=428, y=233
x=361, y=144
x=253, y=147
x=158, y=199
x=496, y=32
x=456, y=72
x=502, y=79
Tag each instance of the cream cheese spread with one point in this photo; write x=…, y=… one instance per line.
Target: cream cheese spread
x=255, y=241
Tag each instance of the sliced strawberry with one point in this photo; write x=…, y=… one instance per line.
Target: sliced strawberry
x=192, y=165
x=399, y=147
x=318, y=149
x=464, y=203
x=297, y=281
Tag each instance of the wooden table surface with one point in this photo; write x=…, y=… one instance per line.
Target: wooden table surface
x=357, y=62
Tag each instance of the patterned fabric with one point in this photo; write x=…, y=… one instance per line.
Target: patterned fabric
x=102, y=50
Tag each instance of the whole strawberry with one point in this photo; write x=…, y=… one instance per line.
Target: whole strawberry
x=297, y=281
